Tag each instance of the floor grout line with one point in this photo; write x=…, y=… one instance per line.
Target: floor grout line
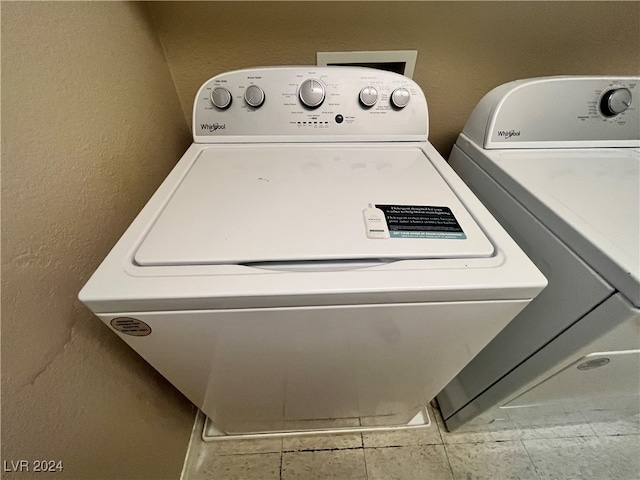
x=446, y=453
x=531, y=459
x=364, y=454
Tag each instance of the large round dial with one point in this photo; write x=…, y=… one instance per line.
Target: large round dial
x=221, y=98
x=254, y=96
x=311, y=93
x=368, y=96
x=615, y=101
x=400, y=97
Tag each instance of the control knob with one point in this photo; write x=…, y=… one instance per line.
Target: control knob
x=368, y=96
x=311, y=93
x=221, y=98
x=400, y=97
x=254, y=96
x=615, y=101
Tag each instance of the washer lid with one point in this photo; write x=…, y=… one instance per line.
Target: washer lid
x=292, y=203
x=590, y=198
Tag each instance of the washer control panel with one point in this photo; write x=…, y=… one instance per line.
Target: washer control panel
x=556, y=112
x=309, y=104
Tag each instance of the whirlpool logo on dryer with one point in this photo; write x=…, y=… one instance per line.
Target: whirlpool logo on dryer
x=508, y=133
x=212, y=127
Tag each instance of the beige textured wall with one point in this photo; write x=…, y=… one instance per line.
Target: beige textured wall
x=464, y=48
x=91, y=124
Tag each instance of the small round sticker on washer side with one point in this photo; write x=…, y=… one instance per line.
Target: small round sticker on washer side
x=131, y=326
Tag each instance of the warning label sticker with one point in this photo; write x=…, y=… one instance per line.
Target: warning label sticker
x=416, y=221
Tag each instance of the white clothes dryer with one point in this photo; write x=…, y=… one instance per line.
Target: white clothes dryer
x=311, y=262
x=556, y=160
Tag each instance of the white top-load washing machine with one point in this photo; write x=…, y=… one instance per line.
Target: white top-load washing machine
x=311, y=261
x=556, y=160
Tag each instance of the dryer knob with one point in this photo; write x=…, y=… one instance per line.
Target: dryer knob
x=368, y=96
x=400, y=97
x=254, y=96
x=312, y=93
x=615, y=101
x=221, y=98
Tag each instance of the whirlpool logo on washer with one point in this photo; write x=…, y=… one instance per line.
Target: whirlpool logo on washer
x=508, y=133
x=213, y=127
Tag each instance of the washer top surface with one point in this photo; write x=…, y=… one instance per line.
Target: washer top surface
x=291, y=203
x=310, y=186
x=590, y=198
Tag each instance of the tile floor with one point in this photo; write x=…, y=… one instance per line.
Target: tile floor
x=581, y=451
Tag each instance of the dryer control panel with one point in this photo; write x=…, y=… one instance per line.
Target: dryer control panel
x=309, y=104
x=558, y=112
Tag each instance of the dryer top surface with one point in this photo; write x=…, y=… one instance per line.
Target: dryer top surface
x=590, y=198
